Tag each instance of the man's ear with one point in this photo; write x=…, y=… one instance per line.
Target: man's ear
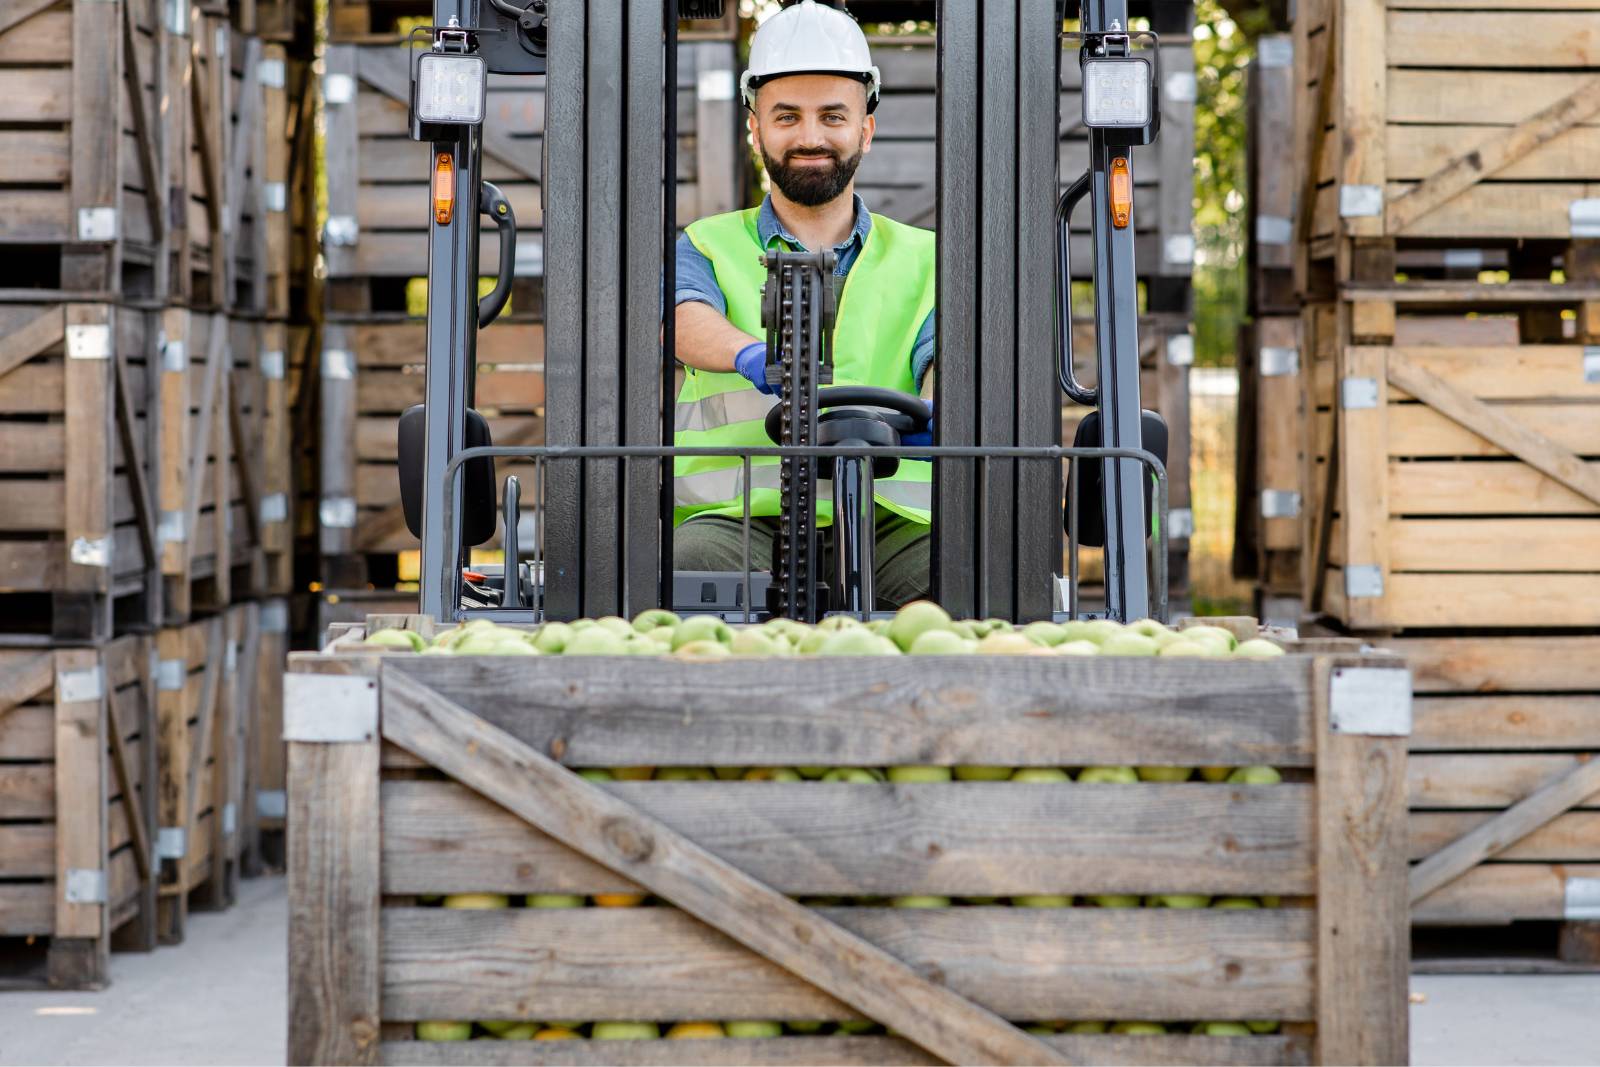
x=868, y=128
x=755, y=130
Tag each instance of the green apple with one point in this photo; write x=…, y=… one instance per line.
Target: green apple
x=834, y=623
x=616, y=624
x=999, y=626
x=477, y=901
x=435, y=650
x=813, y=641
x=1150, y=628
x=1116, y=900
x=1221, y=1029
x=437, y=1030
x=552, y=637
x=1255, y=775
x=856, y=775
x=615, y=1031
x=554, y=900
x=1129, y=643
x=887, y=647
x=558, y=1033
x=915, y=619
x=597, y=774
x=728, y=774
x=1044, y=633
x=498, y=1027
x=977, y=772
x=1271, y=901
x=1086, y=1027
x=695, y=1031
x=805, y=1026
x=1215, y=774
x=701, y=628
x=812, y=772
x=702, y=651
x=1138, y=1028
x=1042, y=900
x=919, y=774
x=850, y=641
x=1165, y=774
x=939, y=643
x=683, y=774
x=408, y=640
x=1178, y=900
x=1236, y=903
x=879, y=626
x=581, y=624
x=594, y=641
x=1258, y=648
x=1262, y=1026
x=753, y=1028
x=1210, y=633
x=1009, y=643
x=772, y=774
x=1112, y=775
x=923, y=901
x=655, y=619
x=854, y=1026
x=1077, y=648
x=754, y=641
x=661, y=637
x=964, y=628
x=1040, y=774
x=1183, y=648
x=516, y=1031
x=632, y=774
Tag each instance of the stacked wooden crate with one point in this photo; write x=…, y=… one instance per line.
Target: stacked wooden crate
x=1267, y=527
x=1449, y=259
x=373, y=345
x=143, y=426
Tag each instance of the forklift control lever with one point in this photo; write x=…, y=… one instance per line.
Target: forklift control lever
x=493, y=202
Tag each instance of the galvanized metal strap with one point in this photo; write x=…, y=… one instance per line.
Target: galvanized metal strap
x=329, y=708
x=1370, y=700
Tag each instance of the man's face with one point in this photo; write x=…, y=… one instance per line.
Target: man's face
x=812, y=130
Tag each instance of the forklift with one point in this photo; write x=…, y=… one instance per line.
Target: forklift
x=592, y=490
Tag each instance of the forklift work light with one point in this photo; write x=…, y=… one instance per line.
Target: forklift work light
x=1116, y=93
x=450, y=89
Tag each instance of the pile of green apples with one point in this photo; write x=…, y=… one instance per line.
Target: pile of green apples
x=921, y=628
x=529, y=1030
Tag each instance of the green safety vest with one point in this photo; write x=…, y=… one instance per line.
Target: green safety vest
x=887, y=296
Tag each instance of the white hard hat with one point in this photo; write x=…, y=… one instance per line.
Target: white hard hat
x=808, y=38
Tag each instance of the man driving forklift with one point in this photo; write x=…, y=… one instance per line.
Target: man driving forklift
x=811, y=89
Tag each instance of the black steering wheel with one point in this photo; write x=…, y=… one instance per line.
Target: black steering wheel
x=905, y=413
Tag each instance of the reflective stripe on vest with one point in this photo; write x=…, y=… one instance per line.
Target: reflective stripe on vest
x=874, y=334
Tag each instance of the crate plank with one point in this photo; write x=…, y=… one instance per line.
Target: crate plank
x=1491, y=780
x=1570, y=838
x=1500, y=664
x=1500, y=723
x=1503, y=893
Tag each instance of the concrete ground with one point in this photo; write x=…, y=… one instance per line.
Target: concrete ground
x=219, y=999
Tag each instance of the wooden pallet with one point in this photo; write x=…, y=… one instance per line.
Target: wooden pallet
x=77, y=808
x=376, y=236
x=897, y=177
x=371, y=372
x=83, y=198
x=1457, y=495
x=413, y=775
x=224, y=463
x=1473, y=126
x=1504, y=784
x=206, y=681
x=78, y=553
x=265, y=798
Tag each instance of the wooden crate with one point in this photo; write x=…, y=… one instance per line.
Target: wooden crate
x=375, y=239
x=78, y=554
x=370, y=374
x=285, y=22
x=83, y=200
x=265, y=798
x=1270, y=178
x=1504, y=784
x=1457, y=495
x=77, y=807
x=224, y=463
x=343, y=606
x=1271, y=436
x=897, y=178
x=1471, y=126
x=494, y=810
x=384, y=20
x=206, y=679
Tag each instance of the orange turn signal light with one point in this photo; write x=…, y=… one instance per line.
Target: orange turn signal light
x=444, y=189
x=1121, y=193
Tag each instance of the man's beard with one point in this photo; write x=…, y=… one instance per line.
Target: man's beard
x=812, y=185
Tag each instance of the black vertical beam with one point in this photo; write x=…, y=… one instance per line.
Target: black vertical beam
x=642, y=258
x=997, y=298
x=1038, y=397
x=565, y=192
x=955, y=383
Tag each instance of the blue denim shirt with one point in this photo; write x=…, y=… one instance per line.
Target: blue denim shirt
x=697, y=280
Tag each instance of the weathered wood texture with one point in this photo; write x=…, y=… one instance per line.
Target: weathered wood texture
x=77, y=804
x=268, y=755
x=79, y=456
x=497, y=813
x=1269, y=492
x=207, y=685
x=1270, y=192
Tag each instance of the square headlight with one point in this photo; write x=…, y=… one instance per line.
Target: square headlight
x=450, y=89
x=1116, y=92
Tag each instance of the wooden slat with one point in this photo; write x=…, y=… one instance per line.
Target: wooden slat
x=26, y=909
x=1109, y=1049
x=1364, y=494
x=80, y=816
x=28, y=733
x=1494, y=372
x=811, y=949
x=1500, y=664
x=1502, y=893
x=964, y=839
x=1455, y=488
x=1012, y=712
x=1418, y=431
x=27, y=850
x=43, y=330
x=1492, y=600
x=23, y=676
x=1024, y=963
x=1480, y=39
x=1494, y=545
x=1570, y=838
x=1491, y=780
x=1418, y=151
x=27, y=791
x=1505, y=722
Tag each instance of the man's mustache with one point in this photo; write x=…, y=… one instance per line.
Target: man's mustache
x=812, y=154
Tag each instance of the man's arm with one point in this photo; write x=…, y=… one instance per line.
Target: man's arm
x=705, y=339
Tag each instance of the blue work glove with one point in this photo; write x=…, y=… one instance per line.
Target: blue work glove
x=751, y=362
x=925, y=438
